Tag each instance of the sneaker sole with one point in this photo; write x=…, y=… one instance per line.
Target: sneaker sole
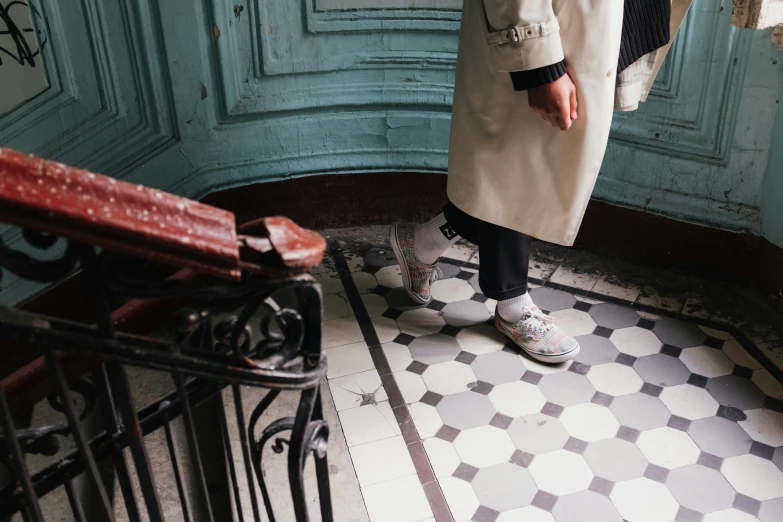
x=553, y=359
x=549, y=359
x=403, y=266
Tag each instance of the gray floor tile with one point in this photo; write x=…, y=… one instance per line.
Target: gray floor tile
x=595, y=350
x=465, y=313
x=701, y=489
x=720, y=437
x=737, y=392
x=585, y=506
x=678, y=333
x=449, y=270
x=615, y=459
x=746, y=504
x=552, y=300
x=566, y=388
x=498, y=367
x=640, y=411
x=474, y=282
x=504, y=487
x=537, y=434
x=434, y=348
x=688, y=515
x=662, y=370
x=614, y=316
x=771, y=510
x=466, y=410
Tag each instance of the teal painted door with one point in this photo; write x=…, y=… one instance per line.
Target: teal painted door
x=194, y=96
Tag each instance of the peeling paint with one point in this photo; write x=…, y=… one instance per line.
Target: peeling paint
x=238, y=11
x=216, y=32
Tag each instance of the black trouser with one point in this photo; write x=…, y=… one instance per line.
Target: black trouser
x=504, y=254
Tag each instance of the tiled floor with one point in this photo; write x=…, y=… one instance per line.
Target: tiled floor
x=657, y=420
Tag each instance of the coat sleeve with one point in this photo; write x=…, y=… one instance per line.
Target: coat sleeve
x=523, y=34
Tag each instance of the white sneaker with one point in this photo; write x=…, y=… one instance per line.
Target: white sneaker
x=537, y=334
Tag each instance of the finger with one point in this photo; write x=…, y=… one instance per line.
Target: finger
x=574, y=105
x=552, y=119
x=564, y=119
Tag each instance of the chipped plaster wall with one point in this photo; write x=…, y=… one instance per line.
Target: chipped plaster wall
x=772, y=189
x=193, y=97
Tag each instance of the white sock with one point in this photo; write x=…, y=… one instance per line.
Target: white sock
x=511, y=309
x=432, y=238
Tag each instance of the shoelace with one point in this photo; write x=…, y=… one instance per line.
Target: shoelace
x=530, y=313
x=436, y=274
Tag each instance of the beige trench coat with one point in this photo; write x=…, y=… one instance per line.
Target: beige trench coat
x=506, y=165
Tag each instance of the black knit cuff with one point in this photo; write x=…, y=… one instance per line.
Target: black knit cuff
x=524, y=80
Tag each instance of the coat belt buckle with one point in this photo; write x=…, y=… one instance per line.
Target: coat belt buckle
x=512, y=34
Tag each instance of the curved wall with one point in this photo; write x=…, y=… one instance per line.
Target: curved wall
x=196, y=96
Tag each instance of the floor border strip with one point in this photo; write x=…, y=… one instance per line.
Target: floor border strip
x=421, y=462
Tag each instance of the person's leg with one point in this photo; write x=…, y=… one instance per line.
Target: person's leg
x=503, y=272
x=418, y=247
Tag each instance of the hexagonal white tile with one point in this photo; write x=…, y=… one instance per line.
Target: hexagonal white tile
x=718, y=334
x=668, y=448
x=636, y=341
x=589, y=422
x=615, y=379
x=451, y=290
x=421, y=321
x=753, y=476
x=516, y=399
x=460, y=497
x=765, y=426
x=526, y=514
x=398, y=356
x=389, y=276
x=411, y=386
x=768, y=383
x=386, y=329
x=561, y=472
x=689, y=402
x=644, y=500
x=706, y=361
x=738, y=354
x=449, y=377
x=729, y=515
x=442, y=455
x=481, y=339
x=426, y=419
x=484, y=446
x=575, y=322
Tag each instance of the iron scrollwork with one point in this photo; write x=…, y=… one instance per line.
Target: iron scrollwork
x=225, y=334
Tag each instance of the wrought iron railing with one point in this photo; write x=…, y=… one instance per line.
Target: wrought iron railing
x=241, y=311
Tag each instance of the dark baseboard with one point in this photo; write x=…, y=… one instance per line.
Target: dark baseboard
x=346, y=200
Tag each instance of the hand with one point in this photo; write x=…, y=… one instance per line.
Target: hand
x=555, y=102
